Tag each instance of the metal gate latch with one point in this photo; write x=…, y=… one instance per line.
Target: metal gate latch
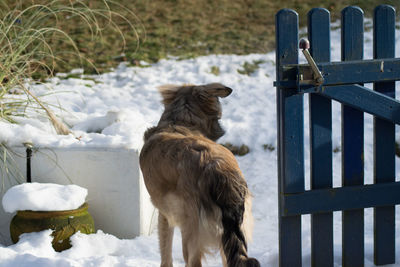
x=304, y=45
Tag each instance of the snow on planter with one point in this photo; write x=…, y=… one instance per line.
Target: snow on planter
x=43, y=197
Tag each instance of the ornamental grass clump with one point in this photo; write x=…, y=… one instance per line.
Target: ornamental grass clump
x=36, y=39
x=39, y=38
x=9, y=172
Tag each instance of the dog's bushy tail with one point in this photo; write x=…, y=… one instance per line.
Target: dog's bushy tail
x=228, y=190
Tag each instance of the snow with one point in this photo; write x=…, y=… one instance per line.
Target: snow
x=115, y=108
x=43, y=197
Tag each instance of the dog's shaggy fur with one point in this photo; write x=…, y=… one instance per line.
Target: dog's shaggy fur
x=195, y=183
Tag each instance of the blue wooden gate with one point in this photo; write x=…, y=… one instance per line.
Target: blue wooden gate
x=341, y=81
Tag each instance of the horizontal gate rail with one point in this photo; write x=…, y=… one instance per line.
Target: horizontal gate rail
x=340, y=198
x=344, y=72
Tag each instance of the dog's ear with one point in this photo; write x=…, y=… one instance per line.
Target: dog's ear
x=168, y=93
x=217, y=89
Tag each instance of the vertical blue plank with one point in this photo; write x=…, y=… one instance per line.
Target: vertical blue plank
x=320, y=141
x=290, y=138
x=384, y=139
x=352, y=143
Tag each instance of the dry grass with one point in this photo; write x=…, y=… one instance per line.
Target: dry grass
x=183, y=28
x=197, y=27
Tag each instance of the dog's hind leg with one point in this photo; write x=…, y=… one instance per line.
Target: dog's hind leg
x=185, y=249
x=223, y=257
x=192, y=250
x=165, y=234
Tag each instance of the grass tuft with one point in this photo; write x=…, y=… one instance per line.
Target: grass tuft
x=248, y=68
x=215, y=70
x=268, y=147
x=237, y=150
x=34, y=45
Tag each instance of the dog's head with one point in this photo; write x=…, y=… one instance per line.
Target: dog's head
x=195, y=107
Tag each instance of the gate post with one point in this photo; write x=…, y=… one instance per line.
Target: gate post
x=290, y=138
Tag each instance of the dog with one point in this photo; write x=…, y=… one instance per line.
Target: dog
x=195, y=183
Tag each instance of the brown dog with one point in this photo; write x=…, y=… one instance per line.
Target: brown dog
x=195, y=183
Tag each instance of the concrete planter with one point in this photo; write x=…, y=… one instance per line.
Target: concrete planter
x=117, y=197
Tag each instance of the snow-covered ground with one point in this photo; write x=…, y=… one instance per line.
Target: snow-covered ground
x=115, y=108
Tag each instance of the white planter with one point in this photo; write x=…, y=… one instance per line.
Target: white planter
x=117, y=197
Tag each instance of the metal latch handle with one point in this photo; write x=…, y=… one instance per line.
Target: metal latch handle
x=304, y=45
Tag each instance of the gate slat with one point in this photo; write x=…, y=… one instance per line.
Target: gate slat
x=384, y=139
x=352, y=143
x=320, y=141
x=290, y=138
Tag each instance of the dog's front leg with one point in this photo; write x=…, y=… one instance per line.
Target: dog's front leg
x=165, y=234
